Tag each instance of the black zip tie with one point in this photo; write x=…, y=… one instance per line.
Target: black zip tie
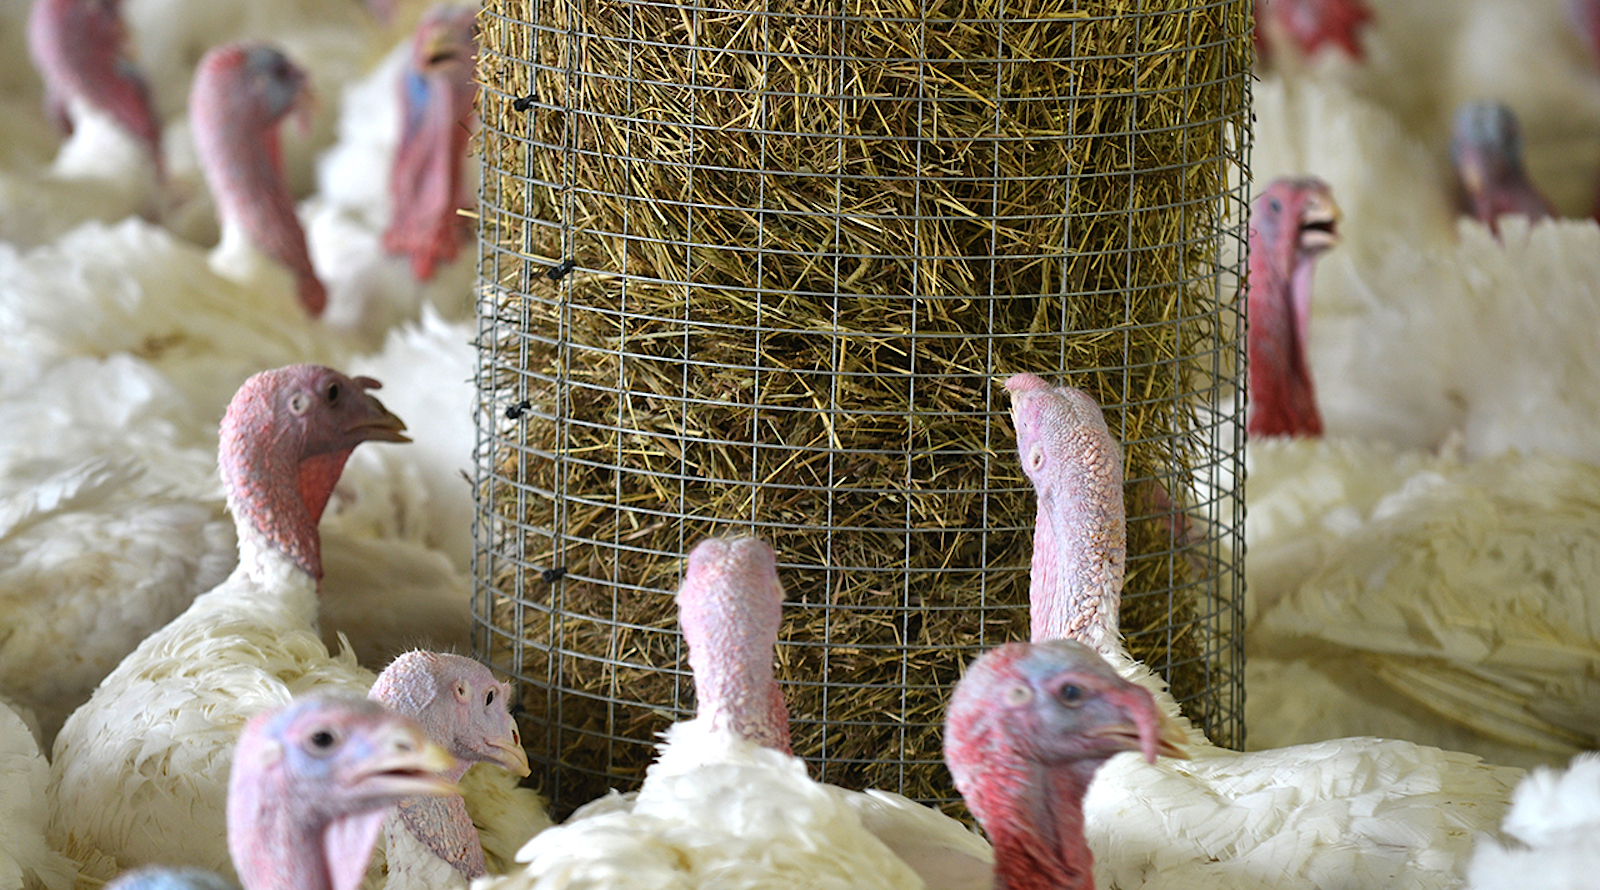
x=515, y=412
x=523, y=103
x=551, y=576
x=560, y=270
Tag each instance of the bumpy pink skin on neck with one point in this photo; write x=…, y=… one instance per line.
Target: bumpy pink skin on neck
x=79, y=47
x=426, y=188
x=730, y=608
x=1283, y=396
x=1080, y=532
x=236, y=137
x=1035, y=848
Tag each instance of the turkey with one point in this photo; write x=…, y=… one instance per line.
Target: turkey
x=719, y=802
x=111, y=165
x=26, y=860
x=1358, y=547
x=1554, y=817
x=311, y=784
x=431, y=842
x=1486, y=152
x=206, y=322
x=138, y=773
x=1358, y=812
x=336, y=41
x=724, y=805
x=1309, y=26
x=384, y=229
x=178, y=699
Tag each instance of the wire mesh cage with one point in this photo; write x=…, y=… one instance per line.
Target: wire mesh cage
x=761, y=267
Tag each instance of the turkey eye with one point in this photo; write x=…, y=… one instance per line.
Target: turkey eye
x=333, y=392
x=1275, y=205
x=322, y=740
x=488, y=699
x=1070, y=695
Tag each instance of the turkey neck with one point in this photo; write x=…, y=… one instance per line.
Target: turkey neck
x=443, y=826
x=730, y=610
x=283, y=849
x=1034, y=818
x=277, y=497
x=1080, y=545
x=242, y=156
x=425, y=181
x=1283, y=399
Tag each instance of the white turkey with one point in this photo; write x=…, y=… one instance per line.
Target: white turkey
x=335, y=41
x=431, y=842
x=384, y=228
x=26, y=859
x=1358, y=548
x=134, y=765
x=139, y=772
x=1357, y=812
x=1554, y=818
x=310, y=787
x=725, y=805
x=111, y=166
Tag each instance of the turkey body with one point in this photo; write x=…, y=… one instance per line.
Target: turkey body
x=140, y=768
x=1358, y=812
x=1467, y=590
x=736, y=814
x=1553, y=820
x=26, y=859
x=111, y=522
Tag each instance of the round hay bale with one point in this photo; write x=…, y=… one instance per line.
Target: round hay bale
x=760, y=267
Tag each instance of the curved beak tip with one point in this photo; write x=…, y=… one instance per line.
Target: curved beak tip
x=512, y=758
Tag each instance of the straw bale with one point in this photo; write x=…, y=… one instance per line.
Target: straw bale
x=809, y=245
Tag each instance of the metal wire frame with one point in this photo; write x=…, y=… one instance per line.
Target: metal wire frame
x=515, y=556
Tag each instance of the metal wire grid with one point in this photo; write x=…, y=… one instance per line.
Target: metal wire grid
x=558, y=605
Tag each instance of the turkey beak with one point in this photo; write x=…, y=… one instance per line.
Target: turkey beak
x=1319, y=222
x=408, y=769
x=510, y=757
x=1146, y=729
x=376, y=423
x=304, y=107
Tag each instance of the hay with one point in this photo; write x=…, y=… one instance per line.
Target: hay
x=800, y=281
